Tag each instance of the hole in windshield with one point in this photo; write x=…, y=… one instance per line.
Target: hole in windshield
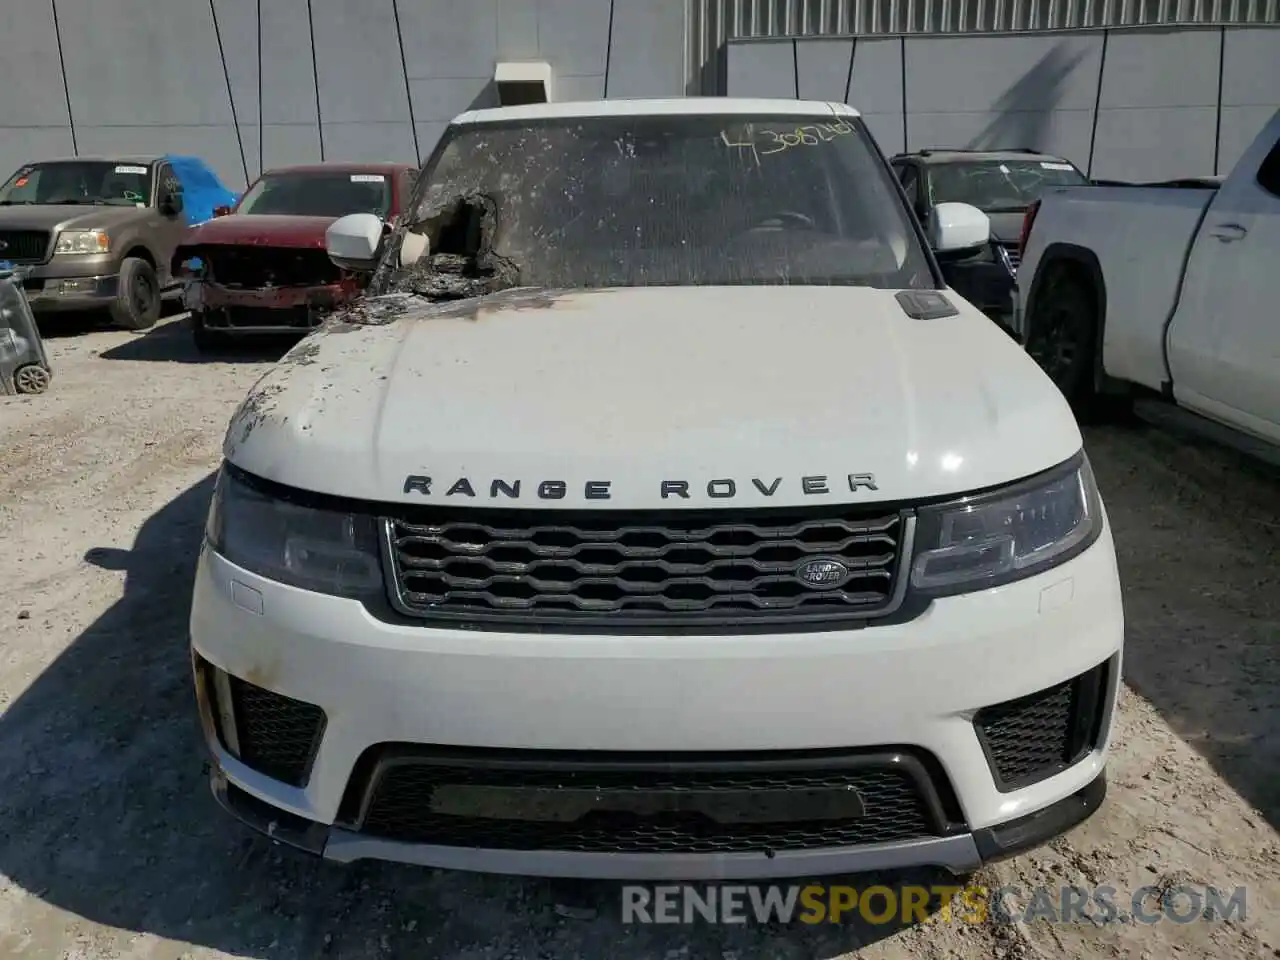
x=670, y=200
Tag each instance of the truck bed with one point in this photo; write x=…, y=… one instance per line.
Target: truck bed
x=1140, y=236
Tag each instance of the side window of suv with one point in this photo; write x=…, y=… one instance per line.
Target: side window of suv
x=1269, y=172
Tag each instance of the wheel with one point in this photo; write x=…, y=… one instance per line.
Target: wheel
x=137, y=305
x=1062, y=337
x=32, y=378
x=206, y=340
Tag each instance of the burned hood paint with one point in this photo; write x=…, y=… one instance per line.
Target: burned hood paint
x=641, y=386
x=267, y=231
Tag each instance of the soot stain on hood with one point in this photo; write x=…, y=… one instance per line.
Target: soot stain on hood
x=252, y=412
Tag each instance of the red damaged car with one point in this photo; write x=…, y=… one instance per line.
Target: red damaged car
x=261, y=267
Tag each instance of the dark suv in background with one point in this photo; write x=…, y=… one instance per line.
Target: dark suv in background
x=1000, y=183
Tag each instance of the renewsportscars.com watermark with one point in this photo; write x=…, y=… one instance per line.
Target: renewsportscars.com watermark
x=816, y=903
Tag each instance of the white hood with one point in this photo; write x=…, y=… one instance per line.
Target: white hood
x=628, y=389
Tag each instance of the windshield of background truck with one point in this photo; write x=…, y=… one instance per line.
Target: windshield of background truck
x=684, y=200
x=328, y=194
x=79, y=182
x=999, y=186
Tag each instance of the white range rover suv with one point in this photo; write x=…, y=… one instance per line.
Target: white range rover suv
x=659, y=513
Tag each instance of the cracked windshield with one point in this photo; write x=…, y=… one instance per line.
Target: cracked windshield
x=1002, y=186
x=668, y=201
x=88, y=182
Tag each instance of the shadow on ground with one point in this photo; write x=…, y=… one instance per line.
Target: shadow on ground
x=108, y=815
x=76, y=323
x=173, y=343
x=1197, y=531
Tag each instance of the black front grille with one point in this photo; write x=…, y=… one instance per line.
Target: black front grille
x=643, y=569
x=253, y=268
x=1033, y=737
x=634, y=807
x=1014, y=254
x=278, y=736
x=24, y=246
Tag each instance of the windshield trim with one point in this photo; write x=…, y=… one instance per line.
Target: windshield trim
x=386, y=269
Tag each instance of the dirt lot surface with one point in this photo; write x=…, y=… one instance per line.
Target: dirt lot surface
x=112, y=847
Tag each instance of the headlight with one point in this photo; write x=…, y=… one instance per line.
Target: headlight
x=83, y=241
x=994, y=538
x=327, y=551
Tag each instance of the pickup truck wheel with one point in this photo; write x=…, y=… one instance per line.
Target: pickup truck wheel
x=137, y=304
x=206, y=340
x=1062, y=340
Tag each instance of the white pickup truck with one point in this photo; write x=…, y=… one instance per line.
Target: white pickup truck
x=1163, y=290
x=660, y=513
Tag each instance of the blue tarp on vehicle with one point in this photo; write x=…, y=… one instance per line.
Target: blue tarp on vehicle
x=202, y=191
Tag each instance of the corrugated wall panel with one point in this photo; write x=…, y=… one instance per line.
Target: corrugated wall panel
x=713, y=22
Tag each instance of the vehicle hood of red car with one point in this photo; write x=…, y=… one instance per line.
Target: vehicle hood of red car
x=265, y=230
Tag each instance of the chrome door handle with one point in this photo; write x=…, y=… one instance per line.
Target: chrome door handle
x=1228, y=232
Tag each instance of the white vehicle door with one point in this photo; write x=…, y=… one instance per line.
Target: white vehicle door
x=1224, y=344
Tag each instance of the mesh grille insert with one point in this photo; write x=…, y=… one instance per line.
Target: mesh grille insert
x=1034, y=737
x=278, y=735
x=650, y=811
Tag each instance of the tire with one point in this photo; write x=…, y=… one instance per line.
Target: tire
x=31, y=378
x=206, y=340
x=1062, y=337
x=137, y=305
x=1063, y=340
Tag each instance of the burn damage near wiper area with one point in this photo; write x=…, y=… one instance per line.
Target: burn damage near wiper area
x=459, y=263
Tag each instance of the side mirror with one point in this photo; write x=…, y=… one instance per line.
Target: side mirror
x=221, y=211
x=354, y=242
x=171, y=204
x=958, y=228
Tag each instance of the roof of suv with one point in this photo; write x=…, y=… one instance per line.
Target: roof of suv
x=953, y=156
x=688, y=106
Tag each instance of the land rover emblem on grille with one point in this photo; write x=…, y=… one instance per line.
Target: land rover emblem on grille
x=822, y=573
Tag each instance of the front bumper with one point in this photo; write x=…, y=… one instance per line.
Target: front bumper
x=907, y=690
x=52, y=294
x=245, y=312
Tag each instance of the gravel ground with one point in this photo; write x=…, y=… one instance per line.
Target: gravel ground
x=113, y=847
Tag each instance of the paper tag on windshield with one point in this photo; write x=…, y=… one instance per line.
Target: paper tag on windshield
x=127, y=168
x=1056, y=166
x=367, y=178
x=1003, y=168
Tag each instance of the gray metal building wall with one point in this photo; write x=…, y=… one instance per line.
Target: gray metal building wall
x=1124, y=104
x=248, y=82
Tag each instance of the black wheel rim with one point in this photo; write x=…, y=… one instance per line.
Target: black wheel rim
x=143, y=294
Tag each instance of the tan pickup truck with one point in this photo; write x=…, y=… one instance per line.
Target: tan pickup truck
x=98, y=232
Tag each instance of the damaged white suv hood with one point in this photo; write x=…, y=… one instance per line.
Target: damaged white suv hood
x=643, y=397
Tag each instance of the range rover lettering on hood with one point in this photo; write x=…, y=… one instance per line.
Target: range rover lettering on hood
x=722, y=488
